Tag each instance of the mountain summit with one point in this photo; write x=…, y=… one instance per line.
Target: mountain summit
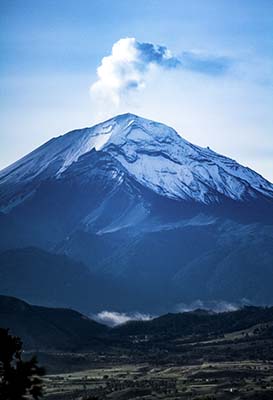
x=153, y=154
x=145, y=211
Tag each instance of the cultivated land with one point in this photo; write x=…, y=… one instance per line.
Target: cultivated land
x=227, y=380
x=237, y=365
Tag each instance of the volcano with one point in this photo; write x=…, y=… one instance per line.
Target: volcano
x=159, y=219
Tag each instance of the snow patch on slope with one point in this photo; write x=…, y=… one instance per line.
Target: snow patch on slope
x=151, y=153
x=73, y=154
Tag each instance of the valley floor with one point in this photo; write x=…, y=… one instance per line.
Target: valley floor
x=230, y=380
x=237, y=365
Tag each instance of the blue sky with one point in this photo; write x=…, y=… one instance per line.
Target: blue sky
x=213, y=82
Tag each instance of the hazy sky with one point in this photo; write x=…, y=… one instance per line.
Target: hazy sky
x=204, y=67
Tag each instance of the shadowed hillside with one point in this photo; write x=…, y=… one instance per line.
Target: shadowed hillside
x=49, y=328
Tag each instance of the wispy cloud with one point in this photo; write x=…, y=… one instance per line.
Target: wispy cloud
x=130, y=63
x=205, y=64
x=113, y=318
x=216, y=306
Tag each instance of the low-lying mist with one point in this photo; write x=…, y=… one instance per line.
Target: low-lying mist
x=114, y=318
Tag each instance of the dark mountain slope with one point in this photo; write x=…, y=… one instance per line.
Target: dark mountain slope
x=49, y=328
x=53, y=280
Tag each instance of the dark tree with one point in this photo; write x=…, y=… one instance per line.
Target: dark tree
x=19, y=380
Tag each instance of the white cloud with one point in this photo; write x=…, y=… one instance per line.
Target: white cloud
x=126, y=69
x=133, y=66
x=113, y=318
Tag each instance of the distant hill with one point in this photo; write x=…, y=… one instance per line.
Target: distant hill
x=198, y=323
x=43, y=328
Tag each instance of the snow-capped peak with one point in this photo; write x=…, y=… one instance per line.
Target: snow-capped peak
x=153, y=154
